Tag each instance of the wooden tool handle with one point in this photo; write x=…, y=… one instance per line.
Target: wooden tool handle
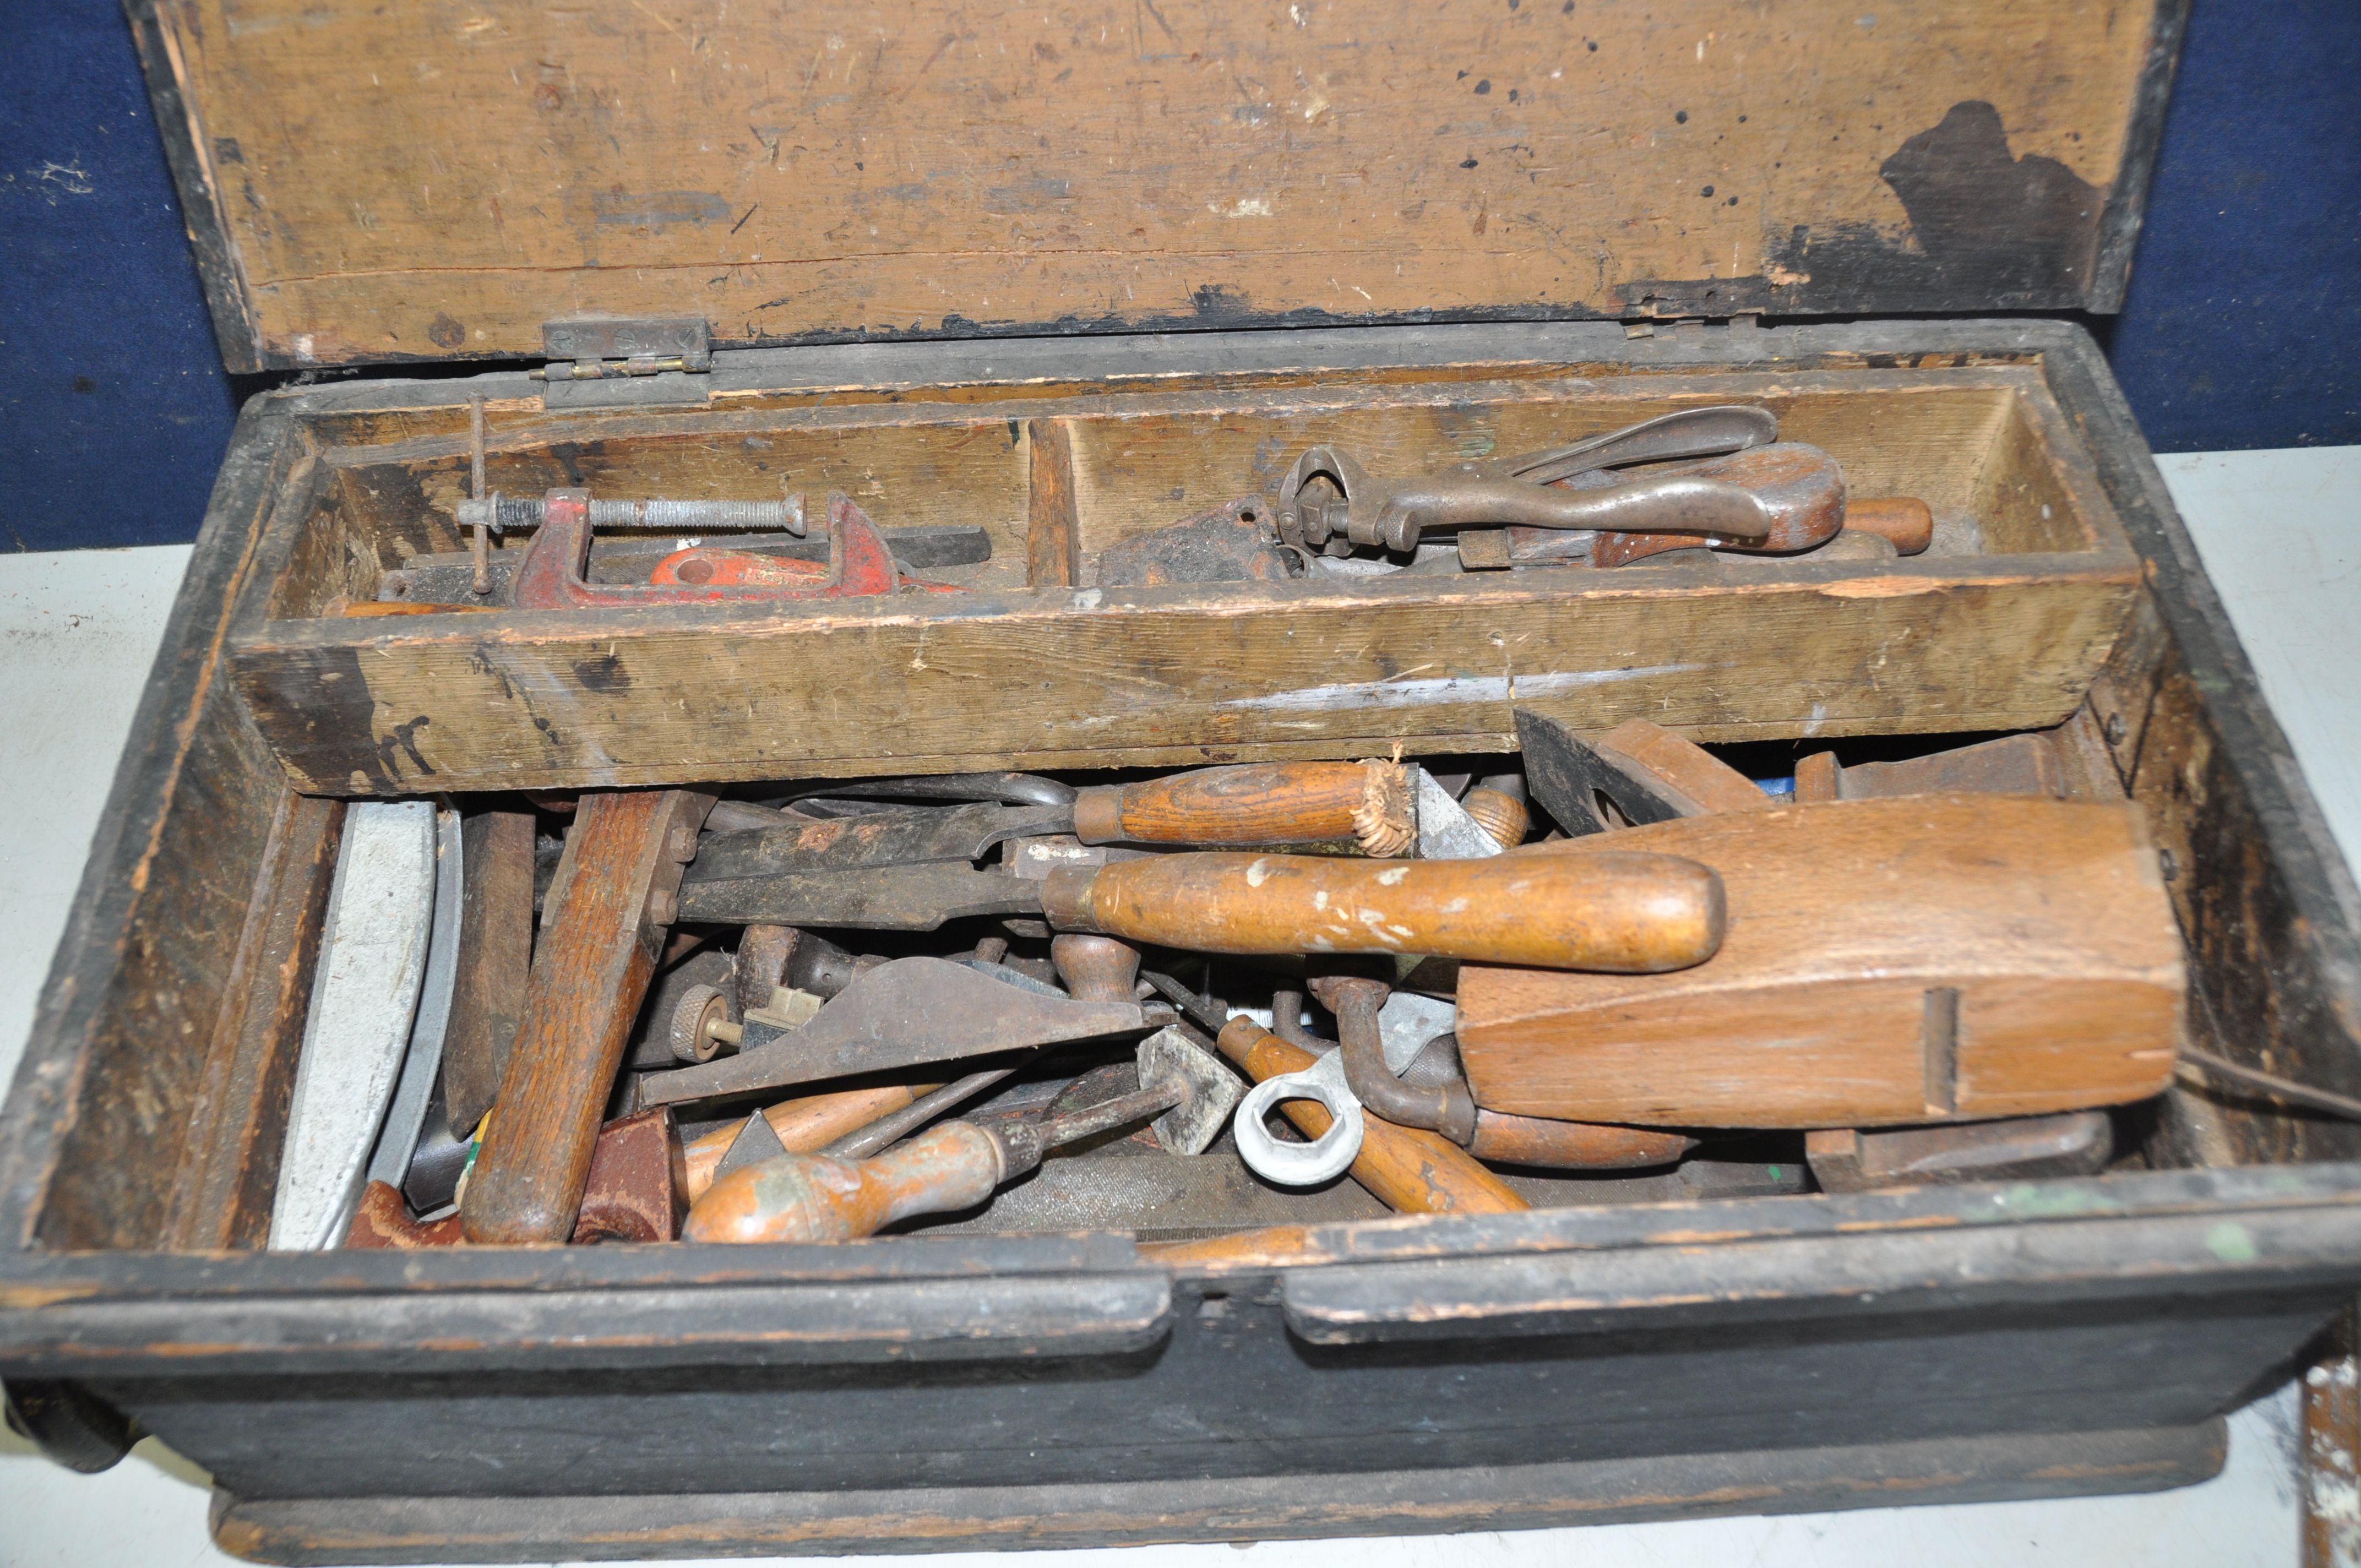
x=1406, y=1168
x=495, y=961
x=1618, y=913
x=804, y=1125
x=1574, y=1146
x=1906, y=523
x=1257, y=804
x=1096, y=968
x=813, y=1198
x=626, y=851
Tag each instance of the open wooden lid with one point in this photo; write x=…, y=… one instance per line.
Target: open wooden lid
x=436, y=178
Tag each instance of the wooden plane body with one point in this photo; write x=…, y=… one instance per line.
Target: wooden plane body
x=1918, y=960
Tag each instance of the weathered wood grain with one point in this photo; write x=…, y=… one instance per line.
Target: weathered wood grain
x=229, y=1175
x=1053, y=534
x=495, y=961
x=1174, y=676
x=104, y=1096
x=605, y=928
x=1887, y=963
x=1183, y=162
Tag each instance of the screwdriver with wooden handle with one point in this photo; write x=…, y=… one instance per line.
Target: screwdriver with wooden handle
x=818, y=1198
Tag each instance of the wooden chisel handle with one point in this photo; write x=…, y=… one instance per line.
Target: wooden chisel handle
x=624, y=856
x=1620, y=913
x=1257, y=804
x=815, y=1198
x=1406, y=1168
x=812, y=1121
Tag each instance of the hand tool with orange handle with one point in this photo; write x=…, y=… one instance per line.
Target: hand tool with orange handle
x=1648, y=913
x=814, y=1197
x=615, y=892
x=1918, y=959
x=1643, y=915
x=1258, y=805
x=802, y=1125
x=1365, y=807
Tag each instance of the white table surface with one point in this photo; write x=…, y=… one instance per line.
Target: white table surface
x=2281, y=535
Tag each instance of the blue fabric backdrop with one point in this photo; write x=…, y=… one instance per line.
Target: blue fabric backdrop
x=114, y=409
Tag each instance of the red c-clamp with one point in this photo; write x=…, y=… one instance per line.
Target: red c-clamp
x=859, y=565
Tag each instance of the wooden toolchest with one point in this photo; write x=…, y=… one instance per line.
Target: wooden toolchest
x=1061, y=281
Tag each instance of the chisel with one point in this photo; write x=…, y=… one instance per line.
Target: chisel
x=1635, y=913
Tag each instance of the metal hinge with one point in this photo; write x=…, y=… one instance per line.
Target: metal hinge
x=1670, y=325
x=609, y=361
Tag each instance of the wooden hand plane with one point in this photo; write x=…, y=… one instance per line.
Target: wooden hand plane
x=1886, y=962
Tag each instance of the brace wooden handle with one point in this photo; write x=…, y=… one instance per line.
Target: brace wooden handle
x=1257, y=804
x=1617, y=913
x=1906, y=523
x=813, y=1198
x=624, y=853
x=1406, y=1168
x=812, y=1121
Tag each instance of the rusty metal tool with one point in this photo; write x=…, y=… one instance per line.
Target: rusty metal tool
x=1185, y=1095
x=1634, y=775
x=1354, y=806
x=802, y=1124
x=1328, y=495
x=1237, y=543
x=1009, y=789
x=877, y=898
x=637, y=1190
x=959, y=833
x=1799, y=489
x=551, y=575
x=902, y=1013
x=615, y=897
x=1096, y=968
x=891, y=1129
x=786, y=515
x=2019, y=1148
x=445, y=578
